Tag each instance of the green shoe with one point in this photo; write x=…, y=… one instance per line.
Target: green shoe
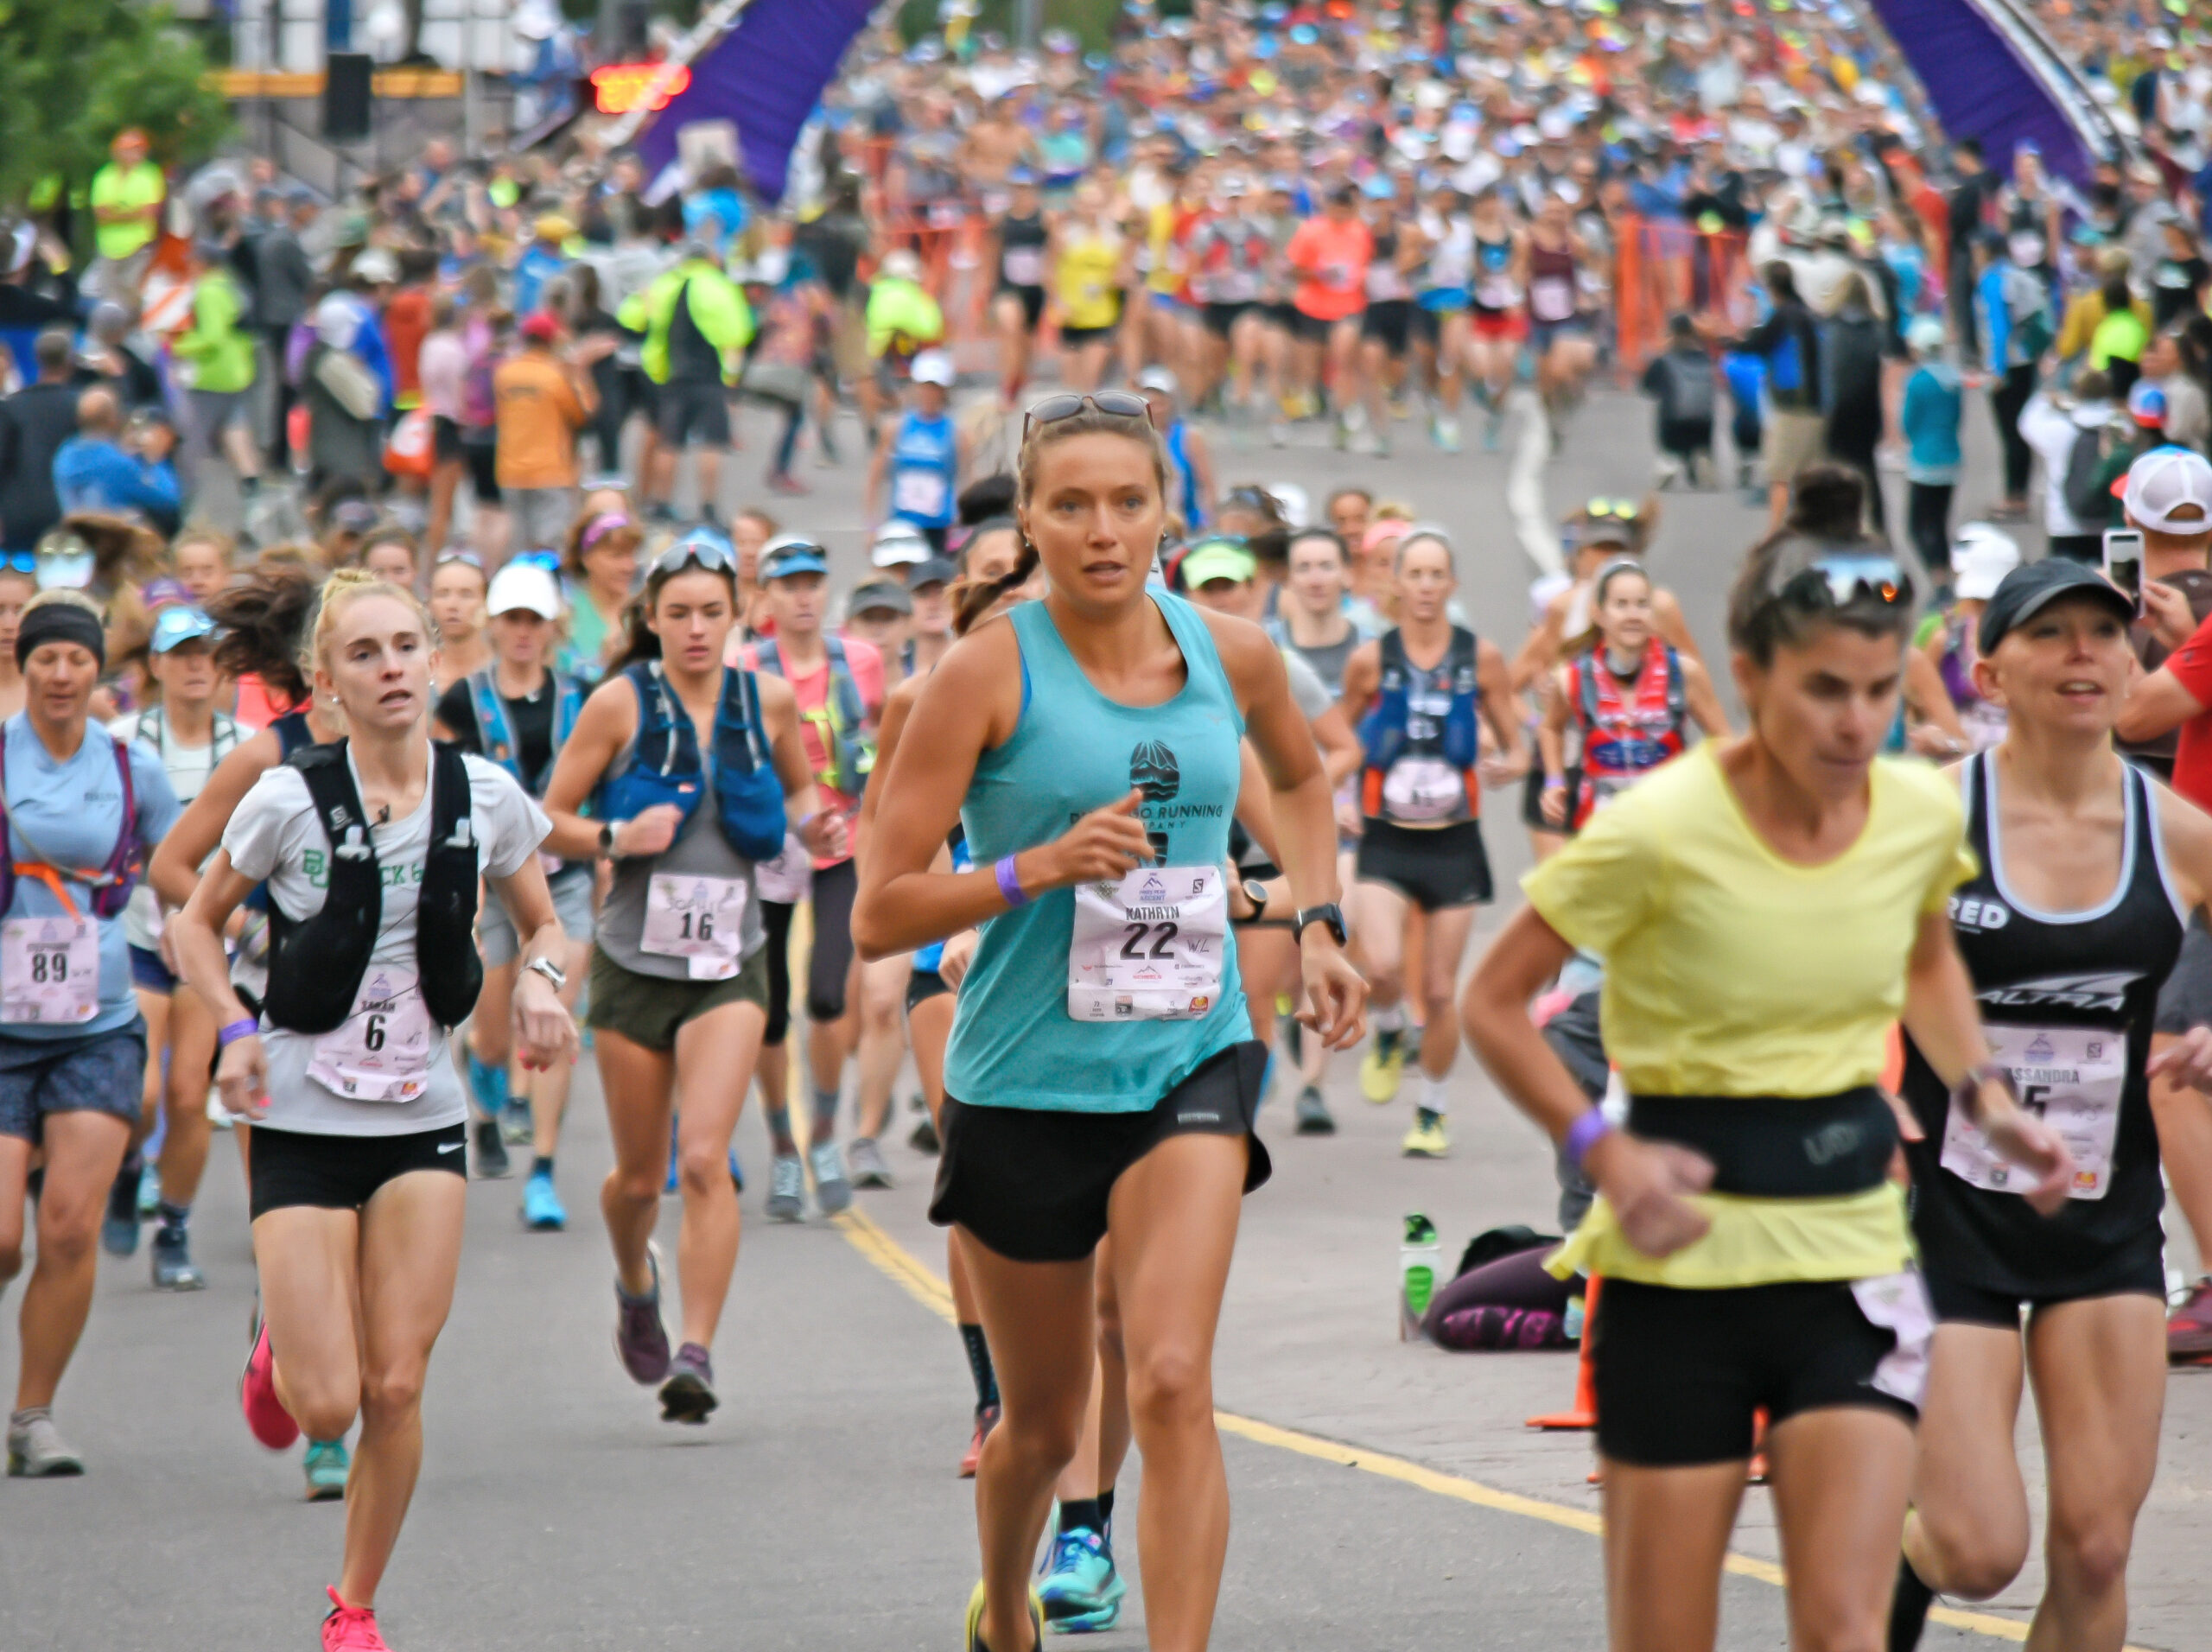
x=1082, y=1591
x=328, y=1467
x=972, y=1640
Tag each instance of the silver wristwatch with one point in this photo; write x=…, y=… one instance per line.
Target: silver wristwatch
x=551, y=971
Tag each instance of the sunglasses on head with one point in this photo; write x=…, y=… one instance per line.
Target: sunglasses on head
x=1116, y=404
x=1840, y=578
x=715, y=558
x=1614, y=510
x=23, y=561
x=469, y=558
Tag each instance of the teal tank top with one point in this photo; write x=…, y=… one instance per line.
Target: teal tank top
x=1013, y=1042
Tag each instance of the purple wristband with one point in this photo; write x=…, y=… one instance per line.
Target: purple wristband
x=1583, y=1135
x=237, y=1030
x=1009, y=883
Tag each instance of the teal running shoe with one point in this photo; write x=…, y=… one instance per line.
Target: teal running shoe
x=542, y=1210
x=1081, y=1590
x=328, y=1465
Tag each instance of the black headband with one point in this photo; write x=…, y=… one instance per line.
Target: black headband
x=60, y=622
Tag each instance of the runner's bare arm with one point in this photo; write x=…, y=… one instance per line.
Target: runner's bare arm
x=196, y=935
x=1255, y=803
x=896, y=709
x=1340, y=752
x=971, y=703
x=878, y=466
x=605, y=726
x=544, y=1033
x=1703, y=700
x=1551, y=745
x=1362, y=674
x=1941, y=1015
x=2185, y=834
x=1502, y=710
x=2154, y=705
x=174, y=869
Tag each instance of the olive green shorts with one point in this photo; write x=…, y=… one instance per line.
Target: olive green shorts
x=650, y=1010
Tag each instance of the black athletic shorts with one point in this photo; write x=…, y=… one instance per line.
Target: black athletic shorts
x=1388, y=322
x=1678, y=1373
x=1221, y=319
x=1312, y=329
x=1033, y=1186
x=1281, y=313
x=1032, y=303
x=1074, y=338
x=1959, y=1303
x=482, y=449
x=342, y=1172
x=689, y=408
x=1434, y=868
x=924, y=985
x=445, y=439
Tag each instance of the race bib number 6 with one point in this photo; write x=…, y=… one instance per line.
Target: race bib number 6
x=383, y=1051
x=1149, y=948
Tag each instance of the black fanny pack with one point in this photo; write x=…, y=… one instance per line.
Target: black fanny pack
x=1772, y=1147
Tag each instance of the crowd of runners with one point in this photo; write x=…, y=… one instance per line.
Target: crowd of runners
x=1125, y=792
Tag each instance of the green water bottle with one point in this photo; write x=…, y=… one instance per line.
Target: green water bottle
x=1420, y=1267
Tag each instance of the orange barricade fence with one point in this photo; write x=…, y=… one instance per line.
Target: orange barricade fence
x=1664, y=268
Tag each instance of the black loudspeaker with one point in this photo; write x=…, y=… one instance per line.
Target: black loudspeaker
x=346, y=97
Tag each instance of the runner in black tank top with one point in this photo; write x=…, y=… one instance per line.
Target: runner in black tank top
x=2088, y=870
x=1019, y=302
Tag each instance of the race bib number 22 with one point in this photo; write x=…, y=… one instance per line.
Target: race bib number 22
x=1149, y=948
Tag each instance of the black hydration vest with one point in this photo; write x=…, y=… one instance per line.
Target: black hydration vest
x=315, y=964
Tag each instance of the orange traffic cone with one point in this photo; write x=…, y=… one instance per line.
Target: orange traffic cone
x=1584, y=1412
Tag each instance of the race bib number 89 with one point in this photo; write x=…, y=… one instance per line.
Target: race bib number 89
x=1149, y=948
x=49, y=970
x=2071, y=1077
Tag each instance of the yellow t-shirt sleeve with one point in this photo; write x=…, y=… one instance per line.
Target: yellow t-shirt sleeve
x=1961, y=866
x=1603, y=884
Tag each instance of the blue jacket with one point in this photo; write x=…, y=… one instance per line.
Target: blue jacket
x=92, y=474
x=1933, y=404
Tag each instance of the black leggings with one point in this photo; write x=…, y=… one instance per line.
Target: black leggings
x=832, y=962
x=2005, y=402
x=1927, y=510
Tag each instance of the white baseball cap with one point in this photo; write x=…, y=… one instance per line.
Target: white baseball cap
x=933, y=367
x=2167, y=480
x=524, y=585
x=1981, y=560
x=898, y=543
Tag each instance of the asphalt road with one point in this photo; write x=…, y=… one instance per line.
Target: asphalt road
x=1386, y=1495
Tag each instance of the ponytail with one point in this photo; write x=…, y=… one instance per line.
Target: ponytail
x=639, y=640
x=974, y=599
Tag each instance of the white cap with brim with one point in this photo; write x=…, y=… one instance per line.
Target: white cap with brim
x=521, y=586
x=2161, y=487
x=1981, y=561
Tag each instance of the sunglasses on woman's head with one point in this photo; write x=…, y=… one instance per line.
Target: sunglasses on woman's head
x=1116, y=404
x=691, y=549
x=1840, y=578
x=1618, y=510
x=469, y=558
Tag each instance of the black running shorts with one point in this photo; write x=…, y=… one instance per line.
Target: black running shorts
x=1958, y=1303
x=1434, y=867
x=922, y=985
x=1033, y=1186
x=1678, y=1373
x=687, y=409
x=343, y=1172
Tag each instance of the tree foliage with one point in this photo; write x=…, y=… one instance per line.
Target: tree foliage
x=74, y=73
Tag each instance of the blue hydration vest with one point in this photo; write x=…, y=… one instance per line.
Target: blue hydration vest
x=930, y=958
x=924, y=459
x=666, y=766
x=1387, y=733
x=498, y=731
x=1193, y=507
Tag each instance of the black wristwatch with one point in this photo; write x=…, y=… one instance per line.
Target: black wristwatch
x=1256, y=892
x=1328, y=913
x=605, y=840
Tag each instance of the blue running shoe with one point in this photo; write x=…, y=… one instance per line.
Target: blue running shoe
x=327, y=1467
x=149, y=1191
x=1081, y=1590
x=542, y=1210
x=736, y=1171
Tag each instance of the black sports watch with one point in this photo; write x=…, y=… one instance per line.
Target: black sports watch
x=606, y=840
x=1328, y=913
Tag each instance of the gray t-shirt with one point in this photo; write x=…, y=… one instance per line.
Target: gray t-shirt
x=699, y=851
x=275, y=834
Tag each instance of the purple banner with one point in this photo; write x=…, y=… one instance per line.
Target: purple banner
x=1991, y=74
x=765, y=77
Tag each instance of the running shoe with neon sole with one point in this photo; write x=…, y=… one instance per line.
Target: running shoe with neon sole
x=972, y=1640
x=786, y=1189
x=1383, y=1066
x=832, y=1192
x=1081, y=1591
x=542, y=1210
x=264, y=1413
x=352, y=1629
x=328, y=1465
x=2189, y=1329
x=689, y=1393
x=987, y=1418
x=639, y=1337
x=1427, y=1140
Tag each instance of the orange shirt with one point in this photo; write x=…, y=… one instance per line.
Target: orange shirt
x=539, y=414
x=1331, y=260
x=406, y=323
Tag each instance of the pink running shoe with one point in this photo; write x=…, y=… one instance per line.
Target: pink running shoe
x=350, y=1629
x=264, y=1413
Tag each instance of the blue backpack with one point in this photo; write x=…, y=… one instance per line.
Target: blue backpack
x=665, y=765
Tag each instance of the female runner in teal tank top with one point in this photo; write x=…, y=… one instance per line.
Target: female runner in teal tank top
x=1101, y=1078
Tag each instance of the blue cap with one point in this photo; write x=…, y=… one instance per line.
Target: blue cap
x=781, y=561
x=180, y=624
x=1378, y=187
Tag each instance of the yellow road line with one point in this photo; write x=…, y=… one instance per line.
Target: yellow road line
x=933, y=1294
